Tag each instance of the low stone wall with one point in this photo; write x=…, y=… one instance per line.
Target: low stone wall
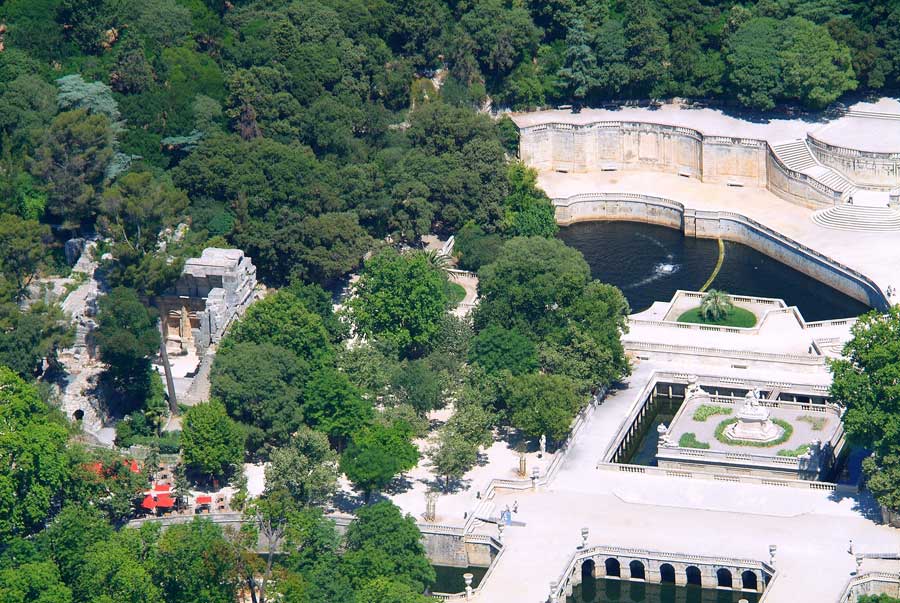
x=866, y=168
x=624, y=145
x=871, y=583
x=726, y=225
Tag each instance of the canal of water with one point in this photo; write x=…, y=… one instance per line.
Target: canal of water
x=649, y=263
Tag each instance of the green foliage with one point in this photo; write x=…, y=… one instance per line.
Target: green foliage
x=529, y=212
x=306, y=467
x=865, y=382
x=736, y=317
x=496, y=348
x=376, y=454
x=212, y=443
x=689, y=440
x=22, y=249
x=705, y=411
x=400, y=298
x=452, y=456
x=794, y=452
x=784, y=437
x=542, y=405
x=455, y=293
x=417, y=384
x=716, y=306
x=193, y=563
x=261, y=386
x=475, y=248
x=882, y=598
x=883, y=478
x=382, y=543
x=333, y=405
x=93, y=97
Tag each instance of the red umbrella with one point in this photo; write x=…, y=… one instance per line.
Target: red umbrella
x=165, y=501
x=161, y=487
x=148, y=503
x=204, y=500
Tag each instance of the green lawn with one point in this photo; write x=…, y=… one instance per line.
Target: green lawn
x=455, y=293
x=738, y=317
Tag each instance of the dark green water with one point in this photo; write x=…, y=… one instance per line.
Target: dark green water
x=649, y=263
x=450, y=579
x=608, y=591
x=643, y=448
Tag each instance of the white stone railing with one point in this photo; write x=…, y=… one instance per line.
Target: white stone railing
x=808, y=359
x=581, y=555
x=848, y=152
x=862, y=584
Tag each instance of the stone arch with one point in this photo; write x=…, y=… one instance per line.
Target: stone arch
x=613, y=568
x=78, y=415
x=587, y=569
x=748, y=580
x=723, y=578
x=692, y=573
x=636, y=568
x=667, y=573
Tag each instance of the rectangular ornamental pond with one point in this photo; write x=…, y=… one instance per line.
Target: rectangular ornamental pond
x=450, y=579
x=602, y=590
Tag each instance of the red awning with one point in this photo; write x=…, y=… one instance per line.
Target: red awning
x=165, y=501
x=204, y=500
x=148, y=503
x=162, y=488
x=133, y=466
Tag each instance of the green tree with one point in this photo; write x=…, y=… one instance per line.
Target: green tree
x=32, y=451
x=306, y=467
x=211, y=442
x=194, y=562
x=70, y=535
x=113, y=570
x=474, y=248
x=333, y=405
x=400, y=298
x=385, y=590
x=37, y=582
x=817, y=70
x=529, y=284
x=529, y=212
x=754, y=67
x=376, y=454
x=29, y=337
x=23, y=249
x=261, y=386
x=580, y=71
x=284, y=320
x=417, y=384
x=72, y=159
x=496, y=348
x=542, y=405
x=137, y=207
x=715, y=305
x=452, y=456
x=383, y=543
x=646, y=49
x=127, y=337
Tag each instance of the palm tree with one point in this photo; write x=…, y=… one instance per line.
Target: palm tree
x=438, y=260
x=716, y=305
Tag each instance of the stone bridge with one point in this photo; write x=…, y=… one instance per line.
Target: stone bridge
x=662, y=568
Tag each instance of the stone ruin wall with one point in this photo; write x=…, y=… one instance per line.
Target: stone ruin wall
x=671, y=149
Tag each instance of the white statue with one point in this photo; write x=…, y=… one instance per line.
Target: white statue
x=753, y=422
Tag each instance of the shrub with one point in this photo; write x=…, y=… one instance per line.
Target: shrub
x=794, y=452
x=689, y=440
x=817, y=423
x=705, y=411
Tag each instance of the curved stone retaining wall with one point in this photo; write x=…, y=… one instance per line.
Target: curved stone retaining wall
x=866, y=168
x=623, y=145
x=726, y=225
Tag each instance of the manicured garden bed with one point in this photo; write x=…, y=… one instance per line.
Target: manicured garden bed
x=737, y=317
x=455, y=293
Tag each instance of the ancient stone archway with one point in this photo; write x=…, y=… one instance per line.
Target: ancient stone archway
x=612, y=567
x=78, y=415
x=748, y=580
x=637, y=570
x=723, y=578
x=587, y=569
x=667, y=573
x=693, y=575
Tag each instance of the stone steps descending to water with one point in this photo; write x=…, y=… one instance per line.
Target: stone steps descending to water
x=856, y=217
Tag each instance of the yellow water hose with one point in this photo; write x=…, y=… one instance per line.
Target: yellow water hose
x=718, y=267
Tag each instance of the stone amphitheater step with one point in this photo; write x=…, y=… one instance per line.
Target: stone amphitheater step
x=831, y=179
x=855, y=217
x=795, y=155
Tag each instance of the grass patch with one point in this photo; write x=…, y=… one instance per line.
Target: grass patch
x=738, y=317
x=816, y=423
x=455, y=292
x=720, y=435
x=798, y=451
x=689, y=440
x=705, y=411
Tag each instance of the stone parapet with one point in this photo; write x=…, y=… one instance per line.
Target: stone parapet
x=867, y=169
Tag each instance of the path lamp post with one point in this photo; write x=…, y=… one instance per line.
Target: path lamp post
x=584, y=537
x=772, y=550
x=467, y=577
x=500, y=527
x=534, y=477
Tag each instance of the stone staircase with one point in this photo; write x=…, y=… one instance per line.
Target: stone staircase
x=858, y=217
x=796, y=155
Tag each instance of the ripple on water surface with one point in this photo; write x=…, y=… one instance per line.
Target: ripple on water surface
x=649, y=263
